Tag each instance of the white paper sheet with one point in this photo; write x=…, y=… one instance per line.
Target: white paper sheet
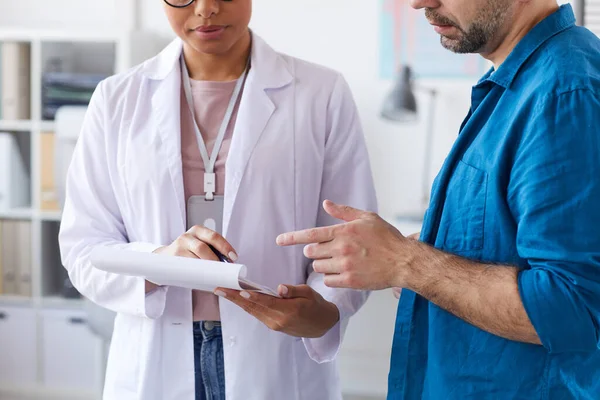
x=190, y=273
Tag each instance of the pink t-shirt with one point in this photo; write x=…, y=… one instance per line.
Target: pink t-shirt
x=210, y=104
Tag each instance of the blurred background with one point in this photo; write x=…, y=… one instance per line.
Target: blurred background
x=412, y=96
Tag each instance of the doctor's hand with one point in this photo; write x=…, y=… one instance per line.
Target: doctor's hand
x=301, y=312
x=195, y=244
x=364, y=253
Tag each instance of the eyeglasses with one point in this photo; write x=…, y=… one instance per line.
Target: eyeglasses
x=179, y=3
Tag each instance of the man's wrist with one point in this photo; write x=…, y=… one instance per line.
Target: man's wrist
x=420, y=266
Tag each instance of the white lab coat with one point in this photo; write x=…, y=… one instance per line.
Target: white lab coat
x=297, y=141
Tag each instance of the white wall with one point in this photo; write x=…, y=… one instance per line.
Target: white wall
x=60, y=14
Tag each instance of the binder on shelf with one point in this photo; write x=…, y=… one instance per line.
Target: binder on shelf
x=1, y=259
x=9, y=258
x=14, y=179
x=0, y=112
x=15, y=80
x=48, y=194
x=24, y=258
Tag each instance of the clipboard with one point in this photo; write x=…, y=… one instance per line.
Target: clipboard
x=165, y=270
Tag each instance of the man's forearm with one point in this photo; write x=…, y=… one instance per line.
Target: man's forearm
x=486, y=296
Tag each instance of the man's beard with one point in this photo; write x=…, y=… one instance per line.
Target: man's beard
x=481, y=31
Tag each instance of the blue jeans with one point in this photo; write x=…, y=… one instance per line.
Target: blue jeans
x=208, y=359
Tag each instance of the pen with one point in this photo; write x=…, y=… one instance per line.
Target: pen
x=218, y=253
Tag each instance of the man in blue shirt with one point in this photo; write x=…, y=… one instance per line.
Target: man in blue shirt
x=502, y=292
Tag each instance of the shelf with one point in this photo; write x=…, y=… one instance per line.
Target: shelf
x=9, y=300
x=26, y=125
x=27, y=213
x=47, y=126
x=52, y=216
x=16, y=213
x=61, y=302
x=51, y=35
x=16, y=125
x=45, y=302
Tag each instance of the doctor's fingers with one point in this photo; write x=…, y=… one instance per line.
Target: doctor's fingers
x=268, y=304
x=197, y=247
x=260, y=310
x=214, y=239
x=178, y=249
x=277, y=309
x=294, y=291
x=280, y=315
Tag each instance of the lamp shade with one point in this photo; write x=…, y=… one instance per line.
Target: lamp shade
x=400, y=104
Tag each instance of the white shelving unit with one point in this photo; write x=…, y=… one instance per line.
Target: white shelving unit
x=46, y=350
x=592, y=16
x=16, y=125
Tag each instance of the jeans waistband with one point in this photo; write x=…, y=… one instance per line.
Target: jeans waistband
x=207, y=328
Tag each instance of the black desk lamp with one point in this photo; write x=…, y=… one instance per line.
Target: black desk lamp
x=400, y=105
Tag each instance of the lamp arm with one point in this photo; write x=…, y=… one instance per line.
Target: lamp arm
x=430, y=91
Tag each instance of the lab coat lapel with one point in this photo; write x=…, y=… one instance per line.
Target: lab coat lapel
x=166, y=112
x=268, y=71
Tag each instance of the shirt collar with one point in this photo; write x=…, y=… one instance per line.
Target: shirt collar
x=555, y=23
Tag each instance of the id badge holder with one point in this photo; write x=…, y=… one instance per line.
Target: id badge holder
x=206, y=213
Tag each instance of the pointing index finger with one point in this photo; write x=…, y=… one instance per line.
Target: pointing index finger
x=308, y=236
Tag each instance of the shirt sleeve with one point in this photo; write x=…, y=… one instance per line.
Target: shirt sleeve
x=554, y=194
x=92, y=218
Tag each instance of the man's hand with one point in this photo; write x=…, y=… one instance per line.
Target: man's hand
x=302, y=312
x=364, y=253
x=368, y=253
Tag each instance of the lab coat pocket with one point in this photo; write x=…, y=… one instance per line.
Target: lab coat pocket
x=463, y=218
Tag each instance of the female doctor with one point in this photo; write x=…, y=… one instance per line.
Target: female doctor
x=218, y=127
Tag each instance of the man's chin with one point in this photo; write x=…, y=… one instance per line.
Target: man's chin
x=455, y=45
x=452, y=44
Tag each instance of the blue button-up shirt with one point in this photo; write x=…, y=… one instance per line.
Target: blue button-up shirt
x=520, y=187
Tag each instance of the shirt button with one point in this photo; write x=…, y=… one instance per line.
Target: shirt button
x=232, y=341
x=209, y=325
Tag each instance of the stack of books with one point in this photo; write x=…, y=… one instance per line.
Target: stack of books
x=59, y=88
x=15, y=258
x=66, y=89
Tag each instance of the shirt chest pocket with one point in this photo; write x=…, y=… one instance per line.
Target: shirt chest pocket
x=463, y=218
